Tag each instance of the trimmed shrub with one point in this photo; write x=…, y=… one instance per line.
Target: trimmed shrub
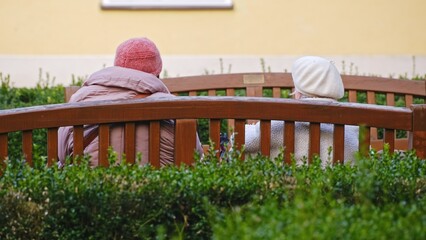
x=254, y=199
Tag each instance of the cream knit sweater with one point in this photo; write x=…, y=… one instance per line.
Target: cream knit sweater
x=252, y=140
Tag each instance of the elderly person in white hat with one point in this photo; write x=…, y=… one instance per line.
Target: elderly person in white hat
x=315, y=79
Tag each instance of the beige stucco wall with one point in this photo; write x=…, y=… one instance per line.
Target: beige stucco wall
x=253, y=28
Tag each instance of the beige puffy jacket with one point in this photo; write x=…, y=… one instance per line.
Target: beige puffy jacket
x=114, y=83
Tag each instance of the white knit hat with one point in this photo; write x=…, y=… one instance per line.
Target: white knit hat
x=317, y=77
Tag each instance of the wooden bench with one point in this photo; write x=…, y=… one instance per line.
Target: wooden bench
x=278, y=85
x=51, y=117
x=255, y=85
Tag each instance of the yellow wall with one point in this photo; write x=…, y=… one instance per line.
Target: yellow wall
x=253, y=27
x=68, y=38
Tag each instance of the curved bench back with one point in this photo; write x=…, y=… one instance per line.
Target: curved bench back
x=362, y=89
x=254, y=85
x=214, y=109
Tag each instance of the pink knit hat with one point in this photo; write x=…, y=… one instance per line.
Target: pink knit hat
x=140, y=54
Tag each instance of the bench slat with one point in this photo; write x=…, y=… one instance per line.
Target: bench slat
x=314, y=140
x=364, y=140
x=371, y=97
x=400, y=143
x=185, y=141
x=3, y=148
x=103, y=145
x=27, y=146
x=130, y=142
x=338, y=143
x=230, y=92
x=240, y=134
x=154, y=143
x=283, y=80
x=419, y=130
x=390, y=99
x=52, y=146
x=78, y=142
x=379, y=84
x=276, y=92
x=389, y=137
x=352, y=96
x=254, y=91
x=289, y=129
x=231, y=122
x=408, y=100
x=69, y=91
x=214, y=130
x=265, y=137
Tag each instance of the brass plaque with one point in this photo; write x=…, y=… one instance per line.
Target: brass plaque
x=253, y=79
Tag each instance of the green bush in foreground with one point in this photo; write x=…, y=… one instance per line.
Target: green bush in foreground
x=381, y=197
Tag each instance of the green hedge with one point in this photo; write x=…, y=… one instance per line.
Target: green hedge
x=381, y=197
x=44, y=93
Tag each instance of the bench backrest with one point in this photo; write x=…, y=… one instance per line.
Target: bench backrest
x=214, y=109
x=254, y=85
x=366, y=89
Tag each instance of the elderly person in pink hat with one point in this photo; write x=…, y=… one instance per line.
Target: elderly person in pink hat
x=135, y=74
x=315, y=79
